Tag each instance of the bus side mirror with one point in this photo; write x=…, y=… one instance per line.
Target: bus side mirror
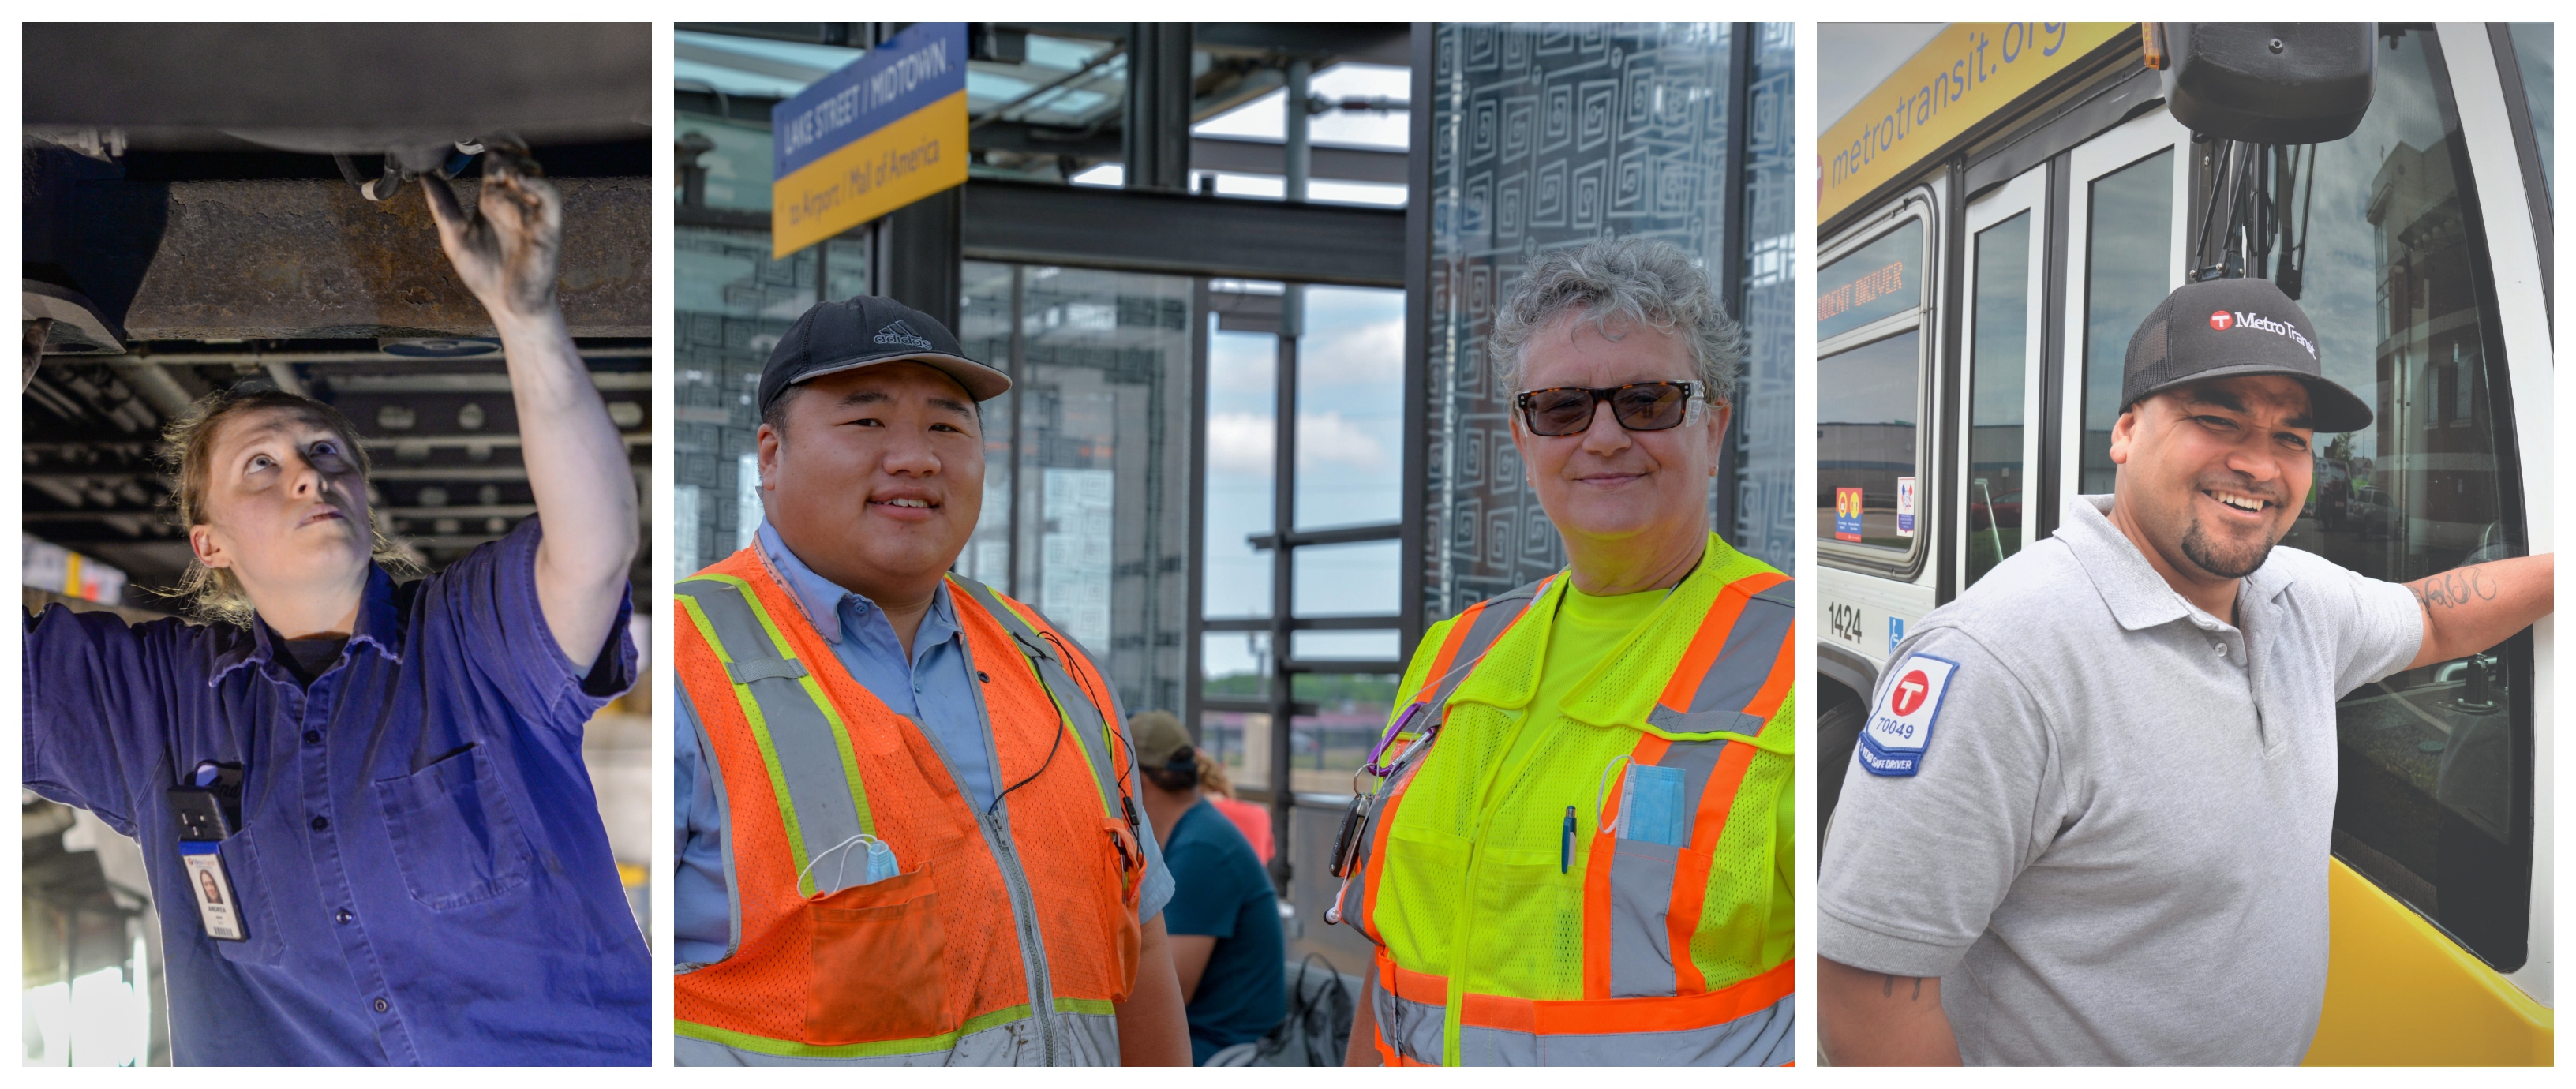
x=2269, y=83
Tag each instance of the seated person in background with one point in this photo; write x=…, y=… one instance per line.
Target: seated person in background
x=1224, y=916
x=1251, y=820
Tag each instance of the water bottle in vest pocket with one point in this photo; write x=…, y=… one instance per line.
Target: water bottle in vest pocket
x=877, y=952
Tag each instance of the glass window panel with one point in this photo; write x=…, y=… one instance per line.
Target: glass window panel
x=1344, y=645
x=1867, y=401
x=1104, y=411
x=2436, y=773
x=984, y=331
x=1234, y=664
x=1240, y=740
x=2128, y=270
x=1340, y=580
x=732, y=303
x=2536, y=55
x=1766, y=493
x=739, y=167
x=1877, y=281
x=1350, y=712
x=1999, y=362
x=1350, y=401
x=1243, y=399
x=845, y=265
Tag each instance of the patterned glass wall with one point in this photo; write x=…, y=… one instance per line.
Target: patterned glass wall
x=1545, y=137
x=733, y=302
x=1765, y=469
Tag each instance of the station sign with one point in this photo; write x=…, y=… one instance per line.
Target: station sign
x=1967, y=73
x=884, y=132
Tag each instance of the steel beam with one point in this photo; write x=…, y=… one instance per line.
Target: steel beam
x=1202, y=236
x=314, y=259
x=1263, y=157
x=1156, y=135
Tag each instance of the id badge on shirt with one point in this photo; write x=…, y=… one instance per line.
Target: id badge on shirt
x=1900, y=726
x=217, y=907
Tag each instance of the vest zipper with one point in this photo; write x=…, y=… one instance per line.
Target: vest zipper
x=996, y=826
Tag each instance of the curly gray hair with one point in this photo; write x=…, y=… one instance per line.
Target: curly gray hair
x=1647, y=280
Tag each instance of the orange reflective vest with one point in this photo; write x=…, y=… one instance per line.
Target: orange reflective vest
x=1517, y=922
x=1006, y=936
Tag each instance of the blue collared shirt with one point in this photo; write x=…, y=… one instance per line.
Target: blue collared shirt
x=421, y=867
x=932, y=688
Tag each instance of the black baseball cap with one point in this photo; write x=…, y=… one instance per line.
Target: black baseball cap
x=2229, y=329
x=862, y=332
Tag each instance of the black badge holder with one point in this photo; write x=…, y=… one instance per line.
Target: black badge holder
x=208, y=810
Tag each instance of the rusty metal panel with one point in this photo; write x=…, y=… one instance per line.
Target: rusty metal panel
x=315, y=259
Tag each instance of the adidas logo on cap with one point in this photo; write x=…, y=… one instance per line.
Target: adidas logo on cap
x=900, y=333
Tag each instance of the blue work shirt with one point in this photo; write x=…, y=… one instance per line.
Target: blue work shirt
x=933, y=688
x=420, y=867
x=1223, y=893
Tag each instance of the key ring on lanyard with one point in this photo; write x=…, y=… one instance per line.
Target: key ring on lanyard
x=1363, y=802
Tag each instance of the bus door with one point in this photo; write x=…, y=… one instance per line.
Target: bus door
x=2006, y=268
x=2127, y=204
x=2399, y=237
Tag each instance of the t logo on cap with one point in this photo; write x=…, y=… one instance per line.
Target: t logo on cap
x=2221, y=320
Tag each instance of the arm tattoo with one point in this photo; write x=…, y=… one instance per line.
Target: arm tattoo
x=2454, y=588
x=1887, y=989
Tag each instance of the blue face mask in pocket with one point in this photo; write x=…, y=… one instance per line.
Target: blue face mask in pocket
x=1650, y=806
x=880, y=864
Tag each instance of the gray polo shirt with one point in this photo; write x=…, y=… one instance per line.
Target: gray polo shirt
x=2113, y=845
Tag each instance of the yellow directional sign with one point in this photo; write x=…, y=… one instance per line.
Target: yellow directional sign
x=882, y=133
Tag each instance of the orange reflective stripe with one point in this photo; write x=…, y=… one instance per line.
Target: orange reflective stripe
x=1449, y=646
x=1690, y=868
x=1614, y=1015
x=1597, y=896
x=1711, y=637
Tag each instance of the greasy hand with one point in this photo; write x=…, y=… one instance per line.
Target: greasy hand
x=507, y=248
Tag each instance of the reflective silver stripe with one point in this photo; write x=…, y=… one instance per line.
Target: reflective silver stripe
x=1093, y=1038
x=1411, y=1028
x=1089, y=719
x=1697, y=761
x=724, y=824
x=1641, y=896
x=1761, y=1038
x=809, y=757
x=1760, y=636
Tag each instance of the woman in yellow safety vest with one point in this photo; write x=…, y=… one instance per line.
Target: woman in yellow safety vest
x=1576, y=846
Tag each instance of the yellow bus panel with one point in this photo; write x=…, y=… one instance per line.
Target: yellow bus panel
x=2401, y=993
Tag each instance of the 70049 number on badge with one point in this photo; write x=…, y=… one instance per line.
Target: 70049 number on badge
x=1900, y=725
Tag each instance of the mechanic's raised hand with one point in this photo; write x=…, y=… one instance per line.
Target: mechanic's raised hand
x=506, y=249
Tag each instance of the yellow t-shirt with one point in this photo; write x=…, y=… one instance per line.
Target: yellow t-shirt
x=1586, y=629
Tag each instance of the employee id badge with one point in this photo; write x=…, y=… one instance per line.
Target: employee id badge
x=1650, y=806
x=217, y=907
x=1900, y=724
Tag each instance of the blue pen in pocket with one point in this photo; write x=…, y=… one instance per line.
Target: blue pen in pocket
x=1565, y=853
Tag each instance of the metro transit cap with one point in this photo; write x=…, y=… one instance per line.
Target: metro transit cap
x=2229, y=329
x=832, y=337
